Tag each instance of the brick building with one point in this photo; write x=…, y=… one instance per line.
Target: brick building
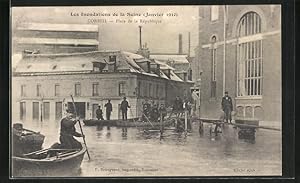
x=42, y=84
x=252, y=57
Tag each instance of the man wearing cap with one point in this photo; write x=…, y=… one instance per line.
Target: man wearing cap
x=227, y=107
x=124, y=107
x=68, y=131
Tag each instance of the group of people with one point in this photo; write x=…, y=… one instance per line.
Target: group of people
x=180, y=106
x=68, y=131
x=124, y=108
x=152, y=112
x=99, y=112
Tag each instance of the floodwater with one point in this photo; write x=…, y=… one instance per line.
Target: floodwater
x=138, y=153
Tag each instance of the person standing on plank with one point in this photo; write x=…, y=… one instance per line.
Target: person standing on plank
x=108, y=107
x=124, y=108
x=99, y=113
x=227, y=106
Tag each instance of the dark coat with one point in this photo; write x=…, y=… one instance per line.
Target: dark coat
x=67, y=127
x=67, y=131
x=108, y=107
x=124, y=106
x=99, y=112
x=178, y=105
x=227, y=103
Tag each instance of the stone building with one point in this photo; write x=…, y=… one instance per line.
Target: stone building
x=248, y=67
x=42, y=84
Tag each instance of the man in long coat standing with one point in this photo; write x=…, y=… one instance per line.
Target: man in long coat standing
x=227, y=107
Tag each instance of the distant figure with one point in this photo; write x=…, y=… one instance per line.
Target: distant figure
x=67, y=131
x=99, y=113
x=187, y=106
x=154, y=115
x=146, y=110
x=227, y=107
x=162, y=109
x=108, y=106
x=178, y=106
x=124, y=107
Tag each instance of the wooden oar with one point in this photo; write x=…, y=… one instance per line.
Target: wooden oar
x=83, y=137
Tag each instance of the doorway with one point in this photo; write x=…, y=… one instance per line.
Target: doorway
x=80, y=108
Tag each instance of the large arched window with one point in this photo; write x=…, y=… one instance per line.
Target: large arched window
x=250, y=63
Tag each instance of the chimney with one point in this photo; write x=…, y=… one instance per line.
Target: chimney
x=140, y=28
x=180, y=44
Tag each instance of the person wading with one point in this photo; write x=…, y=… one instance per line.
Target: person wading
x=162, y=109
x=227, y=107
x=108, y=107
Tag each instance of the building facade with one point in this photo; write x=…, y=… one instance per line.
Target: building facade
x=42, y=84
x=240, y=52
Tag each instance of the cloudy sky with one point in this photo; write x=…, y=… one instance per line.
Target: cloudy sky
x=161, y=37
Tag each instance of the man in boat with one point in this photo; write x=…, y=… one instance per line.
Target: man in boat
x=124, y=107
x=227, y=107
x=99, y=113
x=68, y=131
x=108, y=107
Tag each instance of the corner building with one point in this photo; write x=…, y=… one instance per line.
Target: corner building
x=42, y=84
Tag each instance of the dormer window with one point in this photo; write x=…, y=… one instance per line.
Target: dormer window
x=97, y=66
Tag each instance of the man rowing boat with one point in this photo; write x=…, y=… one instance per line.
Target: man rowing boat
x=67, y=133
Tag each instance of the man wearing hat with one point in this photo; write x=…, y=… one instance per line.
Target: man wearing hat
x=124, y=107
x=227, y=107
x=68, y=131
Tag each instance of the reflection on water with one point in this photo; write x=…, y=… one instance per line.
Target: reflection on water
x=137, y=152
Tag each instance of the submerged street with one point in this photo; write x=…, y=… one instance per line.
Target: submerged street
x=139, y=153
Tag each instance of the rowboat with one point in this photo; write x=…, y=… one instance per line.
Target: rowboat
x=25, y=140
x=48, y=162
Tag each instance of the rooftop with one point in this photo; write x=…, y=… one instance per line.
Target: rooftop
x=176, y=58
x=83, y=63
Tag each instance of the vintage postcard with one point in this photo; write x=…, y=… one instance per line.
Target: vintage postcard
x=134, y=91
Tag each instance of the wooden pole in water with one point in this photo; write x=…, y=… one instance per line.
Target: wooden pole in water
x=161, y=123
x=185, y=120
x=83, y=137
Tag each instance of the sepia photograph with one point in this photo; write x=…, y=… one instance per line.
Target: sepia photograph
x=146, y=91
